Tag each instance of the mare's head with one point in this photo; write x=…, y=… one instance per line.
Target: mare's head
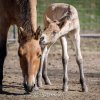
x=51, y=31
x=29, y=54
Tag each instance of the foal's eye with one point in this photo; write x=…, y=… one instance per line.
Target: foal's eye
x=54, y=33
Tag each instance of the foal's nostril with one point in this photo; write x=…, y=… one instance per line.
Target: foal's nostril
x=42, y=38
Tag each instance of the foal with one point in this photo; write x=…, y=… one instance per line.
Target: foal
x=61, y=19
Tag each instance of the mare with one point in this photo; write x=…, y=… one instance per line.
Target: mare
x=23, y=14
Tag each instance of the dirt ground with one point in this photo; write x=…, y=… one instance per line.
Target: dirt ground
x=12, y=83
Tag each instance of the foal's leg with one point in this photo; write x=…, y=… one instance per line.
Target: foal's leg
x=75, y=37
x=39, y=76
x=65, y=58
x=42, y=69
x=44, y=73
x=3, y=40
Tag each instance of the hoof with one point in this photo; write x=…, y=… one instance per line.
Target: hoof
x=65, y=89
x=36, y=88
x=1, y=89
x=47, y=82
x=39, y=84
x=85, y=89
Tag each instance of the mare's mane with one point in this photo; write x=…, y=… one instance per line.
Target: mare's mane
x=25, y=15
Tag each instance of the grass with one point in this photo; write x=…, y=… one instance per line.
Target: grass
x=89, y=12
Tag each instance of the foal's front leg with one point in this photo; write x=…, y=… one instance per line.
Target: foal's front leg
x=65, y=58
x=44, y=72
x=43, y=69
x=39, y=76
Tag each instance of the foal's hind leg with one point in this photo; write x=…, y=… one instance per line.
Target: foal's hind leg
x=3, y=40
x=65, y=58
x=75, y=37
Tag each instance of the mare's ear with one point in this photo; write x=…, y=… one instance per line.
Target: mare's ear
x=38, y=33
x=66, y=16
x=21, y=34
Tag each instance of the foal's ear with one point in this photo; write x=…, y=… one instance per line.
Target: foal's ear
x=48, y=19
x=38, y=33
x=66, y=16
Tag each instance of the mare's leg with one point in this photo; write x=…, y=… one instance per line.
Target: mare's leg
x=65, y=58
x=75, y=37
x=3, y=39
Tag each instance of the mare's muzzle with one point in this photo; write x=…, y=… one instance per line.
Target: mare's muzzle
x=28, y=88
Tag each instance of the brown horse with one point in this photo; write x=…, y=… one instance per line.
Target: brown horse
x=29, y=54
x=22, y=13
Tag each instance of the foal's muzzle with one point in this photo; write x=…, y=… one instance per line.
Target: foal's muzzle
x=43, y=40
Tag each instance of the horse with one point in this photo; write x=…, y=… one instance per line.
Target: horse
x=23, y=14
x=61, y=19
x=29, y=52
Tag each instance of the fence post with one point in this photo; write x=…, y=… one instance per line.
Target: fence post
x=14, y=32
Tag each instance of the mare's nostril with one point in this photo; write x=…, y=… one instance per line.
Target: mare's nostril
x=42, y=38
x=28, y=88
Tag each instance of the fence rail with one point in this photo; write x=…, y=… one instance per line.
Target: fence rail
x=13, y=38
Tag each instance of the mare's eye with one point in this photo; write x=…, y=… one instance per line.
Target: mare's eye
x=21, y=52
x=39, y=55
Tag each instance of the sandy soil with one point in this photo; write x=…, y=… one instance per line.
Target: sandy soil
x=12, y=82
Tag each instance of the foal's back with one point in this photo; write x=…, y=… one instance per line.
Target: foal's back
x=56, y=10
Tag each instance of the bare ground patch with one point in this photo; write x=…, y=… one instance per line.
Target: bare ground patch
x=12, y=82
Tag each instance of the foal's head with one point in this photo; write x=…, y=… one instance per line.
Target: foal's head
x=29, y=54
x=51, y=31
